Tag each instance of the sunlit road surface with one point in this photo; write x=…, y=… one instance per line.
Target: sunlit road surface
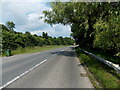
x=57, y=68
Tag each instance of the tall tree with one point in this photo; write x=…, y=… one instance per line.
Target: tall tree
x=45, y=35
x=10, y=25
x=94, y=25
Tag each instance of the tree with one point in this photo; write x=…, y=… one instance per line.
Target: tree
x=107, y=34
x=10, y=25
x=13, y=40
x=45, y=35
x=93, y=25
x=80, y=16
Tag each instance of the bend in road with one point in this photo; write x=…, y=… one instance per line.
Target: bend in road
x=61, y=70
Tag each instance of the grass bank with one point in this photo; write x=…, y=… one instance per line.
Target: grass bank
x=35, y=49
x=106, y=76
x=106, y=55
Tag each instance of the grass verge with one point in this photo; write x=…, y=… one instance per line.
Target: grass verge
x=106, y=76
x=106, y=55
x=34, y=49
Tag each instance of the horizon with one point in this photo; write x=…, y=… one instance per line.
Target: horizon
x=26, y=15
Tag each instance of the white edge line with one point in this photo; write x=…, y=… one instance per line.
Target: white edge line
x=63, y=50
x=16, y=78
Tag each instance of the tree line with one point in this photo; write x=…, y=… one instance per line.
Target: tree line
x=13, y=40
x=94, y=25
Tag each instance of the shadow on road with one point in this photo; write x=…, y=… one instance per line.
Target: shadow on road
x=69, y=53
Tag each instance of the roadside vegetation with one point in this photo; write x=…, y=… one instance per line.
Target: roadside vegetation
x=106, y=76
x=94, y=25
x=106, y=55
x=20, y=42
x=34, y=49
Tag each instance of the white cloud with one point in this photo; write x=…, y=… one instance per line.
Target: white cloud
x=19, y=11
x=27, y=0
x=36, y=0
x=0, y=12
x=33, y=16
x=57, y=30
x=26, y=17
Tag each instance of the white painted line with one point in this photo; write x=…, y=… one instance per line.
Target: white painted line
x=64, y=50
x=53, y=54
x=16, y=78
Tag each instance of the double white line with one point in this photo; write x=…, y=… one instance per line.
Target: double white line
x=16, y=78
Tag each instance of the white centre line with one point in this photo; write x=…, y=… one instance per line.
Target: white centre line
x=16, y=78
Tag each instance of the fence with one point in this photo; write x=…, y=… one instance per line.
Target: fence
x=114, y=66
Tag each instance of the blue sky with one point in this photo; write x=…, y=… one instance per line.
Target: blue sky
x=25, y=14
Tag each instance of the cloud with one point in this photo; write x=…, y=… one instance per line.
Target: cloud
x=54, y=31
x=19, y=11
x=0, y=12
x=37, y=0
x=26, y=17
x=27, y=0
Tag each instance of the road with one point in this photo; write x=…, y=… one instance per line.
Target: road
x=59, y=68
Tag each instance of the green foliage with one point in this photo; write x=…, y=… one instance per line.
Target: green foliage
x=0, y=39
x=34, y=49
x=107, y=34
x=45, y=35
x=93, y=24
x=14, y=40
x=10, y=25
x=106, y=76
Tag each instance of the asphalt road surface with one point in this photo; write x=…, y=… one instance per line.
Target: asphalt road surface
x=57, y=68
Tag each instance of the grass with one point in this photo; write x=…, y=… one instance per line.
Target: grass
x=105, y=55
x=34, y=49
x=106, y=76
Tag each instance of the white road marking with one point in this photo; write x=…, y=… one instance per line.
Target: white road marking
x=16, y=78
x=64, y=50
x=53, y=54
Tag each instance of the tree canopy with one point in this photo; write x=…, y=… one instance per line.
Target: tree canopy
x=93, y=24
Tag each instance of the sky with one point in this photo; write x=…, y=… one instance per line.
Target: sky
x=25, y=14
